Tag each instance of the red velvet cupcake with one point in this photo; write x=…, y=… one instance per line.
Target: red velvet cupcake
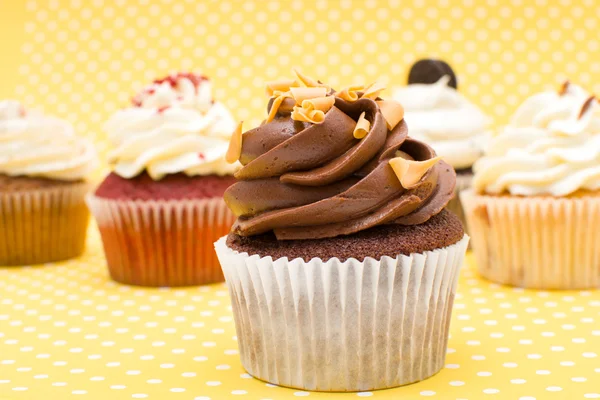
x=161, y=209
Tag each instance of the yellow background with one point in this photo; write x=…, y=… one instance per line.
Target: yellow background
x=83, y=59
x=66, y=329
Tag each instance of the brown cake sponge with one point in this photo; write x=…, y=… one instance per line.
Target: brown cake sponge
x=11, y=184
x=442, y=230
x=171, y=187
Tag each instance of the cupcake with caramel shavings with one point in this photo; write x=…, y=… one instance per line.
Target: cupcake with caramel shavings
x=161, y=208
x=343, y=263
x=43, y=171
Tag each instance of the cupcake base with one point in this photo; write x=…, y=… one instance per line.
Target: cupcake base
x=343, y=325
x=41, y=223
x=536, y=242
x=161, y=243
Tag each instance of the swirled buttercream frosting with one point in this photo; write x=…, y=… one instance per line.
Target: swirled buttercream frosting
x=551, y=147
x=327, y=163
x=35, y=145
x=439, y=115
x=174, y=126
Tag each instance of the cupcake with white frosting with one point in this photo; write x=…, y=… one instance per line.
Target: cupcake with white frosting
x=439, y=115
x=534, y=209
x=43, y=171
x=161, y=208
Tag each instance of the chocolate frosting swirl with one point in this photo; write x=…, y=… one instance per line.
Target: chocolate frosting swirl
x=308, y=181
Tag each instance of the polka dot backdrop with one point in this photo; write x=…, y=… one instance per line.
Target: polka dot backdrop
x=67, y=331
x=83, y=59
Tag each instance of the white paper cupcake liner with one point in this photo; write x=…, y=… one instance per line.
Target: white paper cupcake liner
x=162, y=243
x=342, y=326
x=43, y=225
x=536, y=242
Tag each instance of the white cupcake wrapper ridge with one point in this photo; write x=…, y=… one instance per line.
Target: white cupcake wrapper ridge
x=343, y=326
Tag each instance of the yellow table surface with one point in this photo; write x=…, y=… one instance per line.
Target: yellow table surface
x=67, y=331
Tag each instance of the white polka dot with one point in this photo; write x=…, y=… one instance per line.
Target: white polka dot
x=79, y=392
x=554, y=388
x=153, y=381
x=118, y=387
x=177, y=390
x=579, y=379
x=239, y=392
x=364, y=394
x=484, y=373
x=518, y=381
x=301, y=394
x=456, y=383
x=427, y=393
x=491, y=391
x=542, y=372
x=213, y=383
x=139, y=396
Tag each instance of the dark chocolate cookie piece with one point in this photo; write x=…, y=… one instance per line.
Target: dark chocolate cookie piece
x=430, y=71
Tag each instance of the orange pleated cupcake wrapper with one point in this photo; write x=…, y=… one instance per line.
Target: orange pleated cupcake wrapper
x=162, y=243
x=463, y=182
x=536, y=242
x=343, y=326
x=43, y=225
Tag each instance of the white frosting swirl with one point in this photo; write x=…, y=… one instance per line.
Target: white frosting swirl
x=551, y=147
x=39, y=146
x=176, y=128
x=440, y=116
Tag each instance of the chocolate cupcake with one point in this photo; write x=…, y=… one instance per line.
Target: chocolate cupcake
x=43, y=170
x=342, y=265
x=161, y=209
x=439, y=115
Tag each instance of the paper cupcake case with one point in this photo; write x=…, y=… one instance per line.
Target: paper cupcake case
x=536, y=242
x=342, y=326
x=43, y=225
x=162, y=243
